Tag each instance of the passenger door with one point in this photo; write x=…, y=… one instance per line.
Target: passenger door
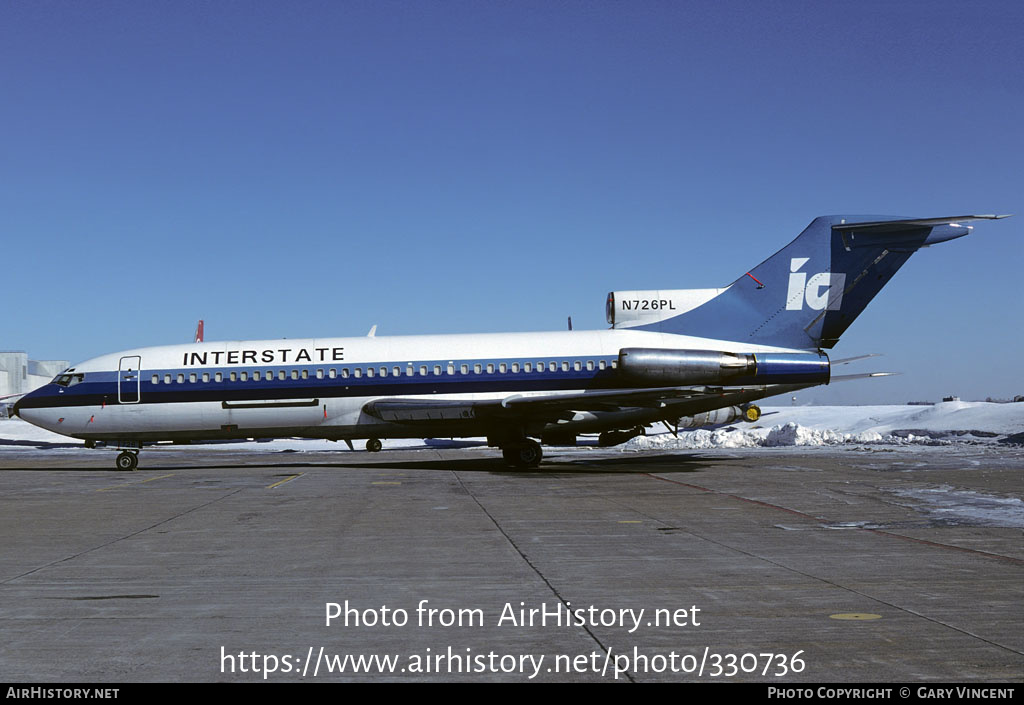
x=129, y=379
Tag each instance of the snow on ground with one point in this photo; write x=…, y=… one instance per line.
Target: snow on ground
x=954, y=506
x=940, y=424
x=17, y=432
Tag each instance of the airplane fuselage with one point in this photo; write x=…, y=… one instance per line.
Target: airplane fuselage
x=320, y=387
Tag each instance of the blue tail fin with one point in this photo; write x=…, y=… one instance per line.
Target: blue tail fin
x=809, y=292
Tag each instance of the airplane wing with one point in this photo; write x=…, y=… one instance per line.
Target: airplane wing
x=675, y=401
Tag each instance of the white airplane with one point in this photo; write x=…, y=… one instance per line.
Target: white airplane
x=684, y=357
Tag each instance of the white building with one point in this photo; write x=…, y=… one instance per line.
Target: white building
x=19, y=375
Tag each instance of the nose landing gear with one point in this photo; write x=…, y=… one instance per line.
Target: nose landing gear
x=127, y=460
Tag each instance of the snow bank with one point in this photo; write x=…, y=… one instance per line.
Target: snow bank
x=701, y=438
x=940, y=424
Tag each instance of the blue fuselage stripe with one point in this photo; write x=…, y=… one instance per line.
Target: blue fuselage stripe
x=103, y=387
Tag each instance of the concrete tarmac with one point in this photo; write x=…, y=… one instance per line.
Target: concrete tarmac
x=846, y=564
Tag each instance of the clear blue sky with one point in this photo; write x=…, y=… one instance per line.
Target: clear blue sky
x=292, y=169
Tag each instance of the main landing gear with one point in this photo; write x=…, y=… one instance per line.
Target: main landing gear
x=373, y=445
x=127, y=460
x=524, y=454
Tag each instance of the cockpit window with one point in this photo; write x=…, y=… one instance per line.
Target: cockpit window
x=66, y=380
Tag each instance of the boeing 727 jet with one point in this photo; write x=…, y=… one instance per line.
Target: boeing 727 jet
x=685, y=357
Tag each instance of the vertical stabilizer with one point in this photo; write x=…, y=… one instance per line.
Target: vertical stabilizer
x=809, y=292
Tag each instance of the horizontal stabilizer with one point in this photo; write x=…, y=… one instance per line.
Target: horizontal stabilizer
x=864, y=375
x=848, y=360
x=883, y=226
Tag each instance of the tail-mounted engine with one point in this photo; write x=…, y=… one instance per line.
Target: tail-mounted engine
x=670, y=368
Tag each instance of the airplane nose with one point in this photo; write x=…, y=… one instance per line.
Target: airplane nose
x=16, y=405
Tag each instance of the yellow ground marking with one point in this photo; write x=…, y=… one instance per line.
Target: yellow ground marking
x=287, y=479
x=855, y=616
x=129, y=484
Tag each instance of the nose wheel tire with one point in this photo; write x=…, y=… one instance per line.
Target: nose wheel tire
x=127, y=461
x=374, y=445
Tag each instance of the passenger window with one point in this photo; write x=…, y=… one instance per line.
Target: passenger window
x=332, y=373
x=565, y=366
x=206, y=377
x=553, y=366
x=234, y=376
x=305, y=374
x=181, y=379
x=451, y=369
x=437, y=369
x=590, y=365
x=577, y=365
x=490, y=368
x=357, y=372
x=167, y=379
x=503, y=368
x=515, y=367
x=344, y=373
x=600, y=364
x=282, y=375
x=383, y=371
x=464, y=369
x=369, y=372
x=319, y=374
x=156, y=379
x=295, y=374
x=192, y=378
x=615, y=363
x=477, y=368
x=244, y=376
x=410, y=371
x=528, y=367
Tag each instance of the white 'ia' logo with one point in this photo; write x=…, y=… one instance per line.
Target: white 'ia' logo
x=823, y=291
